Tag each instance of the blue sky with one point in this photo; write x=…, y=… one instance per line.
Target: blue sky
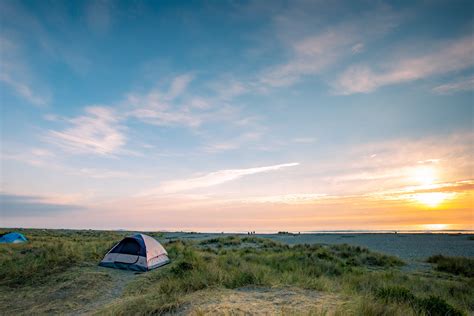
x=211, y=115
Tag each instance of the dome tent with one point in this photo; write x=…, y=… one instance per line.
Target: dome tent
x=138, y=252
x=12, y=238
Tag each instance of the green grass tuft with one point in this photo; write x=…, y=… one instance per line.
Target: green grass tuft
x=455, y=265
x=395, y=294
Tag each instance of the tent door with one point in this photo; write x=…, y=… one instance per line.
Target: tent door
x=129, y=252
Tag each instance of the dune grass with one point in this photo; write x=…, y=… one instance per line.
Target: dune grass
x=455, y=265
x=56, y=272
x=367, y=280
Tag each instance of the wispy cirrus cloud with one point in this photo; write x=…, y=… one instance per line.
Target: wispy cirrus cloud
x=35, y=156
x=16, y=74
x=234, y=143
x=212, y=179
x=98, y=131
x=315, y=53
x=178, y=86
x=311, y=56
x=448, y=57
x=101, y=130
x=291, y=199
x=48, y=160
x=464, y=84
x=161, y=108
x=16, y=16
x=449, y=190
x=23, y=89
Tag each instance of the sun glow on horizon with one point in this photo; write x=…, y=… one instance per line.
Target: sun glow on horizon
x=426, y=176
x=433, y=199
x=435, y=226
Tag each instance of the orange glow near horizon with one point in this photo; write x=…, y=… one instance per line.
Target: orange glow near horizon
x=426, y=176
x=433, y=199
x=435, y=226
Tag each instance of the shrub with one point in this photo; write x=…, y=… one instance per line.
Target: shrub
x=395, y=294
x=432, y=305
x=436, y=306
x=180, y=268
x=455, y=265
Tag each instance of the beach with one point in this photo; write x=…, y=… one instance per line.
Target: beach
x=58, y=272
x=413, y=248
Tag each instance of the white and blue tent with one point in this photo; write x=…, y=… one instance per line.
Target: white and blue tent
x=138, y=252
x=12, y=238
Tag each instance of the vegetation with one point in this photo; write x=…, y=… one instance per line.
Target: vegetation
x=56, y=272
x=431, y=305
x=455, y=265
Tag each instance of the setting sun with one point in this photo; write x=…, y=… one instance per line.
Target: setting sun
x=432, y=199
x=425, y=175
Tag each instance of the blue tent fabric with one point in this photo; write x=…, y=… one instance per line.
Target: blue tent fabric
x=13, y=238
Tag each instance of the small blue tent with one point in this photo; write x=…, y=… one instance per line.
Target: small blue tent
x=12, y=238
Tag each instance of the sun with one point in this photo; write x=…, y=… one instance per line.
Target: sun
x=432, y=199
x=425, y=175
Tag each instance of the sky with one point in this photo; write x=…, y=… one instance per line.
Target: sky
x=237, y=115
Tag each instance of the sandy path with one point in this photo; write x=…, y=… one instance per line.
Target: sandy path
x=260, y=301
x=120, y=279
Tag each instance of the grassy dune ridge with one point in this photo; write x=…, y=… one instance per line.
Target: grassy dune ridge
x=455, y=265
x=56, y=272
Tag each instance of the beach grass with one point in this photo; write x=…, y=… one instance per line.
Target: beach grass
x=455, y=265
x=56, y=272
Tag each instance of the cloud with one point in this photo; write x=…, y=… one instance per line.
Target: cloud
x=35, y=157
x=26, y=205
x=101, y=129
x=234, y=143
x=16, y=74
x=48, y=160
x=23, y=90
x=228, y=89
x=97, y=132
x=448, y=57
x=160, y=108
x=293, y=199
x=103, y=173
x=313, y=54
x=357, y=48
x=449, y=190
x=431, y=193
x=36, y=35
x=212, y=179
x=465, y=84
x=178, y=86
